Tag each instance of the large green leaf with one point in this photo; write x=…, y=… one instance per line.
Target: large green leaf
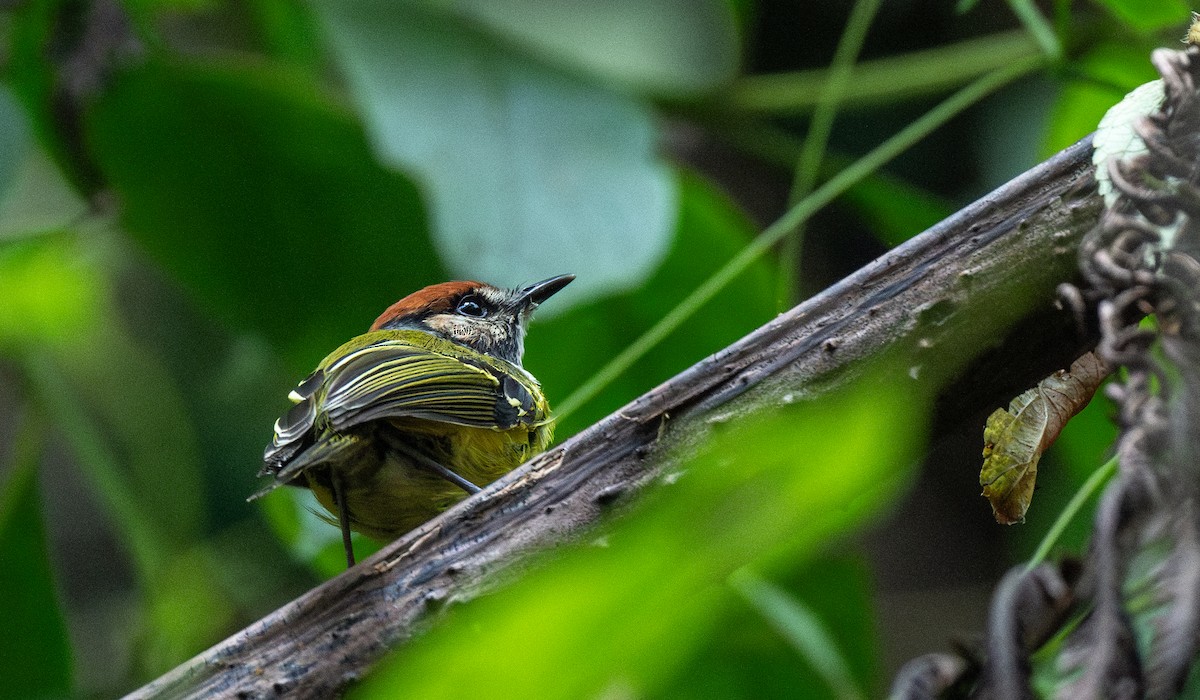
x=120, y=412
x=35, y=653
x=288, y=30
x=625, y=617
x=566, y=350
x=529, y=172
x=261, y=196
x=153, y=501
x=128, y=391
x=663, y=46
x=189, y=581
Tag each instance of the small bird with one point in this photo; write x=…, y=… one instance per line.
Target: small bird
x=429, y=405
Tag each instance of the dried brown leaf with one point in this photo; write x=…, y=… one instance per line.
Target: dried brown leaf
x=1014, y=439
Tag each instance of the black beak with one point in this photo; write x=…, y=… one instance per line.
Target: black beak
x=535, y=294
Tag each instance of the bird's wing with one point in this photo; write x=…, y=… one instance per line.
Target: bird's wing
x=301, y=454
x=397, y=379
x=394, y=378
x=294, y=442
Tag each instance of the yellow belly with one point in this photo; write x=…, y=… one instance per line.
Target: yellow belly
x=387, y=495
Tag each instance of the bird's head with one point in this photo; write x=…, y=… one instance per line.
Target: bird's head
x=487, y=319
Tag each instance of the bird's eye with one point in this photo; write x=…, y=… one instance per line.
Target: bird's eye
x=470, y=306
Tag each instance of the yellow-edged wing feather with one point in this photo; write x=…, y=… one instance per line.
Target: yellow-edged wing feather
x=393, y=375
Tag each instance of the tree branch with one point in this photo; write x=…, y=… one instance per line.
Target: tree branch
x=939, y=301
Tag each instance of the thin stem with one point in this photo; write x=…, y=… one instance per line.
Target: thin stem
x=801, y=628
x=812, y=153
x=888, y=79
x=834, y=187
x=1089, y=488
x=1039, y=27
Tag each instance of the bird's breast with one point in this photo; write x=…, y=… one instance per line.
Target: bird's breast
x=388, y=495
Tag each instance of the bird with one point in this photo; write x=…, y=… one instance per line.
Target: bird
x=428, y=406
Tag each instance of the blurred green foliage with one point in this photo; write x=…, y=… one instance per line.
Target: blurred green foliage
x=763, y=494
x=1145, y=16
x=200, y=198
x=222, y=169
x=50, y=294
x=35, y=653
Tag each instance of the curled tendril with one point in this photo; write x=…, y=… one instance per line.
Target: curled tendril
x=1141, y=260
x=1134, y=265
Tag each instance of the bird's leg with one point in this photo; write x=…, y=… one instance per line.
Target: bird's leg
x=446, y=474
x=339, y=497
x=432, y=465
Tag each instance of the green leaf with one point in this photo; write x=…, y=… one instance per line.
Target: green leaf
x=803, y=629
x=528, y=172
x=838, y=589
x=156, y=527
x=288, y=30
x=670, y=47
x=35, y=652
x=566, y=350
x=1147, y=16
x=628, y=615
x=143, y=539
x=262, y=197
x=150, y=7
x=186, y=584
